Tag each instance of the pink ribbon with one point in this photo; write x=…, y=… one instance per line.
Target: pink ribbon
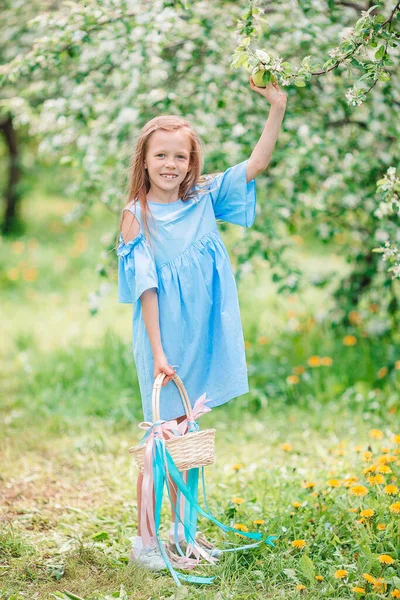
x=166, y=430
x=199, y=408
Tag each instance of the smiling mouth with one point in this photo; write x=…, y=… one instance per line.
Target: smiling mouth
x=169, y=176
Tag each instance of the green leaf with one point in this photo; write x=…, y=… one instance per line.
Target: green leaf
x=291, y=574
x=72, y=596
x=239, y=59
x=102, y=535
x=299, y=82
x=384, y=76
x=379, y=18
x=380, y=53
x=266, y=77
x=307, y=568
x=396, y=581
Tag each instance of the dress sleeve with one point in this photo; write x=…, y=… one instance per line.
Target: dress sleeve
x=233, y=199
x=136, y=269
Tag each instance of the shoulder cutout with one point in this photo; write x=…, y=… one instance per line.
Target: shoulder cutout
x=130, y=228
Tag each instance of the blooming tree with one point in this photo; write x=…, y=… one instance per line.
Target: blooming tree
x=104, y=67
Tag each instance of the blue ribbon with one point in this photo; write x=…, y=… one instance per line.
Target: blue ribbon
x=163, y=465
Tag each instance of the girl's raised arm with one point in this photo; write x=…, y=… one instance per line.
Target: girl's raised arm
x=261, y=155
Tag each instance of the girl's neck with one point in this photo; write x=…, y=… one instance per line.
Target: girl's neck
x=160, y=196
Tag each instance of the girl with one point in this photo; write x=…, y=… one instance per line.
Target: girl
x=172, y=258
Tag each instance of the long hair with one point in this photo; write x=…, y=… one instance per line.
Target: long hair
x=139, y=182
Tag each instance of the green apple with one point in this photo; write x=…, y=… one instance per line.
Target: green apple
x=258, y=79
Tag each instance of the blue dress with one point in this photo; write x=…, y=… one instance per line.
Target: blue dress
x=200, y=325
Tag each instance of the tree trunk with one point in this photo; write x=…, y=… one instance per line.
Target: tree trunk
x=11, y=195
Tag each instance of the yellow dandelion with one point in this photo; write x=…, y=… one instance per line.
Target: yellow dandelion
x=240, y=527
x=396, y=437
x=286, y=446
x=366, y=456
x=296, y=504
x=333, y=482
x=384, y=469
x=300, y=586
x=385, y=559
x=358, y=590
x=349, y=340
x=395, y=508
x=358, y=448
x=237, y=467
x=391, y=489
x=381, y=526
x=262, y=340
x=292, y=379
x=299, y=370
x=237, y=500
x=353, y=510
x=341, y=573
x=315, y=494
x=389, y=458
x=385, y=450
x=348, y=481
x=379, y=479
x=396, y=592
x=319, y=578
x=314, y=361
x=308, y=484
x=17, y=247
x=397, y=364
x=380, y=585
x=299, y=543
x=258, y=521
x=369, y=578
x=369, y=469
x=13, y=274
x=354, y=317
x=382, y=372
x=376, y=434
x=326, y=361
x=383, y=459
x=358, y=490
x=247, y=345
x=367, y=512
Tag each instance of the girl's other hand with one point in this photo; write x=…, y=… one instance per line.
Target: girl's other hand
x=161, y=366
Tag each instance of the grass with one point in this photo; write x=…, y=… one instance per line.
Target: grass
x=70, y=412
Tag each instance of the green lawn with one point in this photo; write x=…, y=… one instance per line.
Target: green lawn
x=295, y=449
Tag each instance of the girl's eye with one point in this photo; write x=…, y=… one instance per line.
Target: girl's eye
x=180, y=156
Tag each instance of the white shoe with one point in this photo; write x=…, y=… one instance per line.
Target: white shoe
x=149, y=558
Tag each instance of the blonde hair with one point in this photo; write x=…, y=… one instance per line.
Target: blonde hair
x=139, y=182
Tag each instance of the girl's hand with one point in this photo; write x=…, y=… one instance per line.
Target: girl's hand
x=161, y=366
x=271, y=92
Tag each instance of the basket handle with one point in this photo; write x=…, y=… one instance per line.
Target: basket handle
x=155, y=399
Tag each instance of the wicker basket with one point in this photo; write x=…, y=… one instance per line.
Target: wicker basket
x=191, y=450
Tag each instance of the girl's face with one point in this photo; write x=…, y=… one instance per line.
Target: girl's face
x=168, y=153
